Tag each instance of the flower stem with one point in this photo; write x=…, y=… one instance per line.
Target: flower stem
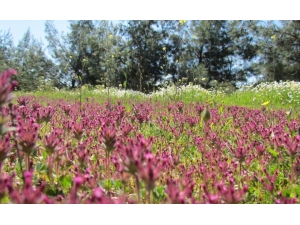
x=149, y=197
x=138, y=188
x=13, y=116
x=107, y=163
x=292, y=171
x=50, y=165
x=27, y=162
x=241, y=178
x=0, y=170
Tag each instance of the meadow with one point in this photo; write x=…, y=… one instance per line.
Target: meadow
x=176, y=145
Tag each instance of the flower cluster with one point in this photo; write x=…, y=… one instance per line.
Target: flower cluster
x=145, y=151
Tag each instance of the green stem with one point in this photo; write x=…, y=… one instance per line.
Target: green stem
x=292, y=171
x=138, y=188
x=0, y=170
x=241, y=179
x=13, y=116
x=149, y=197
x=56, y=165
x=50, y=170
x=106, y=167
x=27, y=162
x=107, y=163
x=45, y=129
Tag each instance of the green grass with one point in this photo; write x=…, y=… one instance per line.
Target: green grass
x=285, y=95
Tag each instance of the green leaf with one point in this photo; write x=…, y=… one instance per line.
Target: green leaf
x=40, y=167
x=93, y=158
x=201, y=123
x=287, y=193
x=159, y=193
x=221, y=109
x=230, y=120
x=65, y=181
x=118, y=184
x=44, y=154
x=273, y=168
x=272, y=152
x=53, y=192
x=5, y=200
x=108, y=184
x=297, y=190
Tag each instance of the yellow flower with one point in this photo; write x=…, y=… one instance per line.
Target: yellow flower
x=161, y=67
x=194, y=37
x=203, y=79
x=164, y=48
x=266, y=103
x=44, y=177
x=182, y=22
x=71, y=57
x=273, y=37
x=111, y=36
x=112, y=56
x=288, y=112
x=177, y=60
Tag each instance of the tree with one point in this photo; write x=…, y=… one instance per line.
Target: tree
x=108, y=53
x=278, y=50
x=146, y=53
x=287, y=39
x=32, y=64
x=60, y=54
x=213, y=48
x=88, y=50
x=79, y=48
x=6, y=50
x=245, y=49
x=178, y=49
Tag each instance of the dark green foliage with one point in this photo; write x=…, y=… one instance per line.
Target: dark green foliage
x=145, y=53
x=278, y=51
x=34, y=68
x=139, y=54
x=6, y=50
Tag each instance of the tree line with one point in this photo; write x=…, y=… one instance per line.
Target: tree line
x=141, y=54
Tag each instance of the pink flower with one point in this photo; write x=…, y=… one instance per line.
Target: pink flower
x=6, y=87
x=27, y=135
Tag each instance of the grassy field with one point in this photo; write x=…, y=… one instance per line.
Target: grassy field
x=177, y=145
x=283, y=95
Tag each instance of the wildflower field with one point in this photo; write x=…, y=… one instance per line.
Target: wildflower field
x=176, y=145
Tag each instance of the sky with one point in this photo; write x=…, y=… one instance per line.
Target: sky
x=19, y=15
x=37, y=28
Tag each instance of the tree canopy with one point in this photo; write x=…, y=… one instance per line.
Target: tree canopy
x=141, y=54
